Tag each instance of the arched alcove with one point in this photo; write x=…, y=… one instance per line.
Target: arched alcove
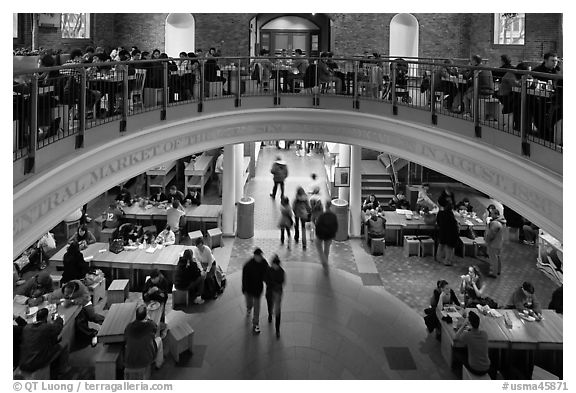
x=404, y=36
x=179, y=34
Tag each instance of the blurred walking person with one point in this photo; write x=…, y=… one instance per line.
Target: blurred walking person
x=280, y=172
x=286, y=220
x=253, y=275
x=302, y=213
x=275, y=278
x=326, y=228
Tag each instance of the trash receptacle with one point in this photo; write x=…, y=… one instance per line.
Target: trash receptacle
x=245, y=221
x=340, y=209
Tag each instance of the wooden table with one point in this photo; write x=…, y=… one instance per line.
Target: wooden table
x=202, y=213
x=523, y=335
x=197, y=173
x=538, y=92
x=165, y=174
x=68, y=314
x=118, y=317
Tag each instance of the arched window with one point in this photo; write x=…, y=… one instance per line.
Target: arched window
x=404, y=36
x=75, y=25
x=509, y=29
x=179, y=34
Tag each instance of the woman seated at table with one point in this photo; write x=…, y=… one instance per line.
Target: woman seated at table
x=370, y=203
x=124, y=196
x=190, y=276
x=193, y=197
x=464, y=206
x=75, y=268
x=159, y=196
x=443, y=82
x=148, y=238
x=442, y=295
x=472, y=287
x=83, y=237
x=166, y=237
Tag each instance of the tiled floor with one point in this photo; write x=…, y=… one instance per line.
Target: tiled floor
x=360, y=319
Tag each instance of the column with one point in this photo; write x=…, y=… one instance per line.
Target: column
x=239, y=168
x=228, y=190
x=344, y=159
x=355, y=190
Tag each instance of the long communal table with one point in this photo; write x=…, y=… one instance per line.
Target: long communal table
x=68, y=314
x=160, y=176
x=522, y=335
x=203, y=213
x=118, y=317
x=197, y=173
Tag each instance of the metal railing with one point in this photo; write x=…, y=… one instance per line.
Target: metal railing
x=51, y=104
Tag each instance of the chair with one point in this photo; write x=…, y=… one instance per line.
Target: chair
x=138, y=90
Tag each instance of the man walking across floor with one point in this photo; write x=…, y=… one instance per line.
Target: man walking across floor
x=280, y=172
x=253, y=275
x=494, y=238
x=219, y=169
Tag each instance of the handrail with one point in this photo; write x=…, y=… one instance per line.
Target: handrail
x=523, y=119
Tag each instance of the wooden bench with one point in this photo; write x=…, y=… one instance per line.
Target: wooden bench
x=106, y=362
x=118, y=291
x=466, y=374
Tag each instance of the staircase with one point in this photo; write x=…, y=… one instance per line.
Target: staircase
x=398, y=162
x=376, y=180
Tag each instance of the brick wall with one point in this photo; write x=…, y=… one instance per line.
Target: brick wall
x=440, y=35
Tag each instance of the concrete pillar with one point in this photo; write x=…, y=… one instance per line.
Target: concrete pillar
x=239, y=168
x=228, y=191
x=344, y=159
x=355, y=190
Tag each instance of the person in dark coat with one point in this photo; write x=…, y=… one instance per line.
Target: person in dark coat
x=75, y=268
x=17, y=330
x=556, y=303
x=142, y=346
x=253, y=275
x=275, y=278
x=40, y=345
x=35, y=288
x=155, y=288
x=280, y=172
x=326, y=228
x=189, y=277
x=447, y=195
x=448, y=232
x=302, y=214
x=441, y=296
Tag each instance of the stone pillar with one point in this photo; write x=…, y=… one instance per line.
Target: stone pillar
x=239, y=170
x=228, y=190
x=344, y=159
x=355, y=190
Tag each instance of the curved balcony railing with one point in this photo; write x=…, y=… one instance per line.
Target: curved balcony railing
x=55, y=103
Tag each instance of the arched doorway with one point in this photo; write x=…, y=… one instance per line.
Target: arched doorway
x=404, y=36
x=179, y=34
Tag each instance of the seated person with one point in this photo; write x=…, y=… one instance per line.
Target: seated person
x=370, y=203
x=193, y=197
x=76, y=293
x=326, y=74
x=175, y=194
x=173, y=215
x=202, y=254
x=472, y=288
x=129, y=233
x=35, y=288
x=114, y=215
x=166, y=237
x=142, y=347
x=148, y=238
x=375, y=226
x=476, y=341
x=485, y=84
x=530, y=233
x=156, y=288
x=159, y=196
x=83, y=237
x=75, y=268
x=40, y=345
x=464, y=206
x=523, y=298
x=425, y=200
x=556, y=303
x=190, y=276
x=124, y=196
x=442, y=295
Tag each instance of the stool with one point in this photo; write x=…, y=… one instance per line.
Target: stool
x=214, y=89
x=426, y=246
x=179, y=296
x=468, y=244
x=214, y=237
x=98, y=290
x=137, y=373
x=377, y=246
x=195, y=235
x=466, y=374
x=180, y=338
x=41, y=373
x=542, y=375
x=106, y=362
x=56, y=279
x=106, y=234
x=71, y=227
x=411, y=246
x=118, y=291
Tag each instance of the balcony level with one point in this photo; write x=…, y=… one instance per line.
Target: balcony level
x=58, y=170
